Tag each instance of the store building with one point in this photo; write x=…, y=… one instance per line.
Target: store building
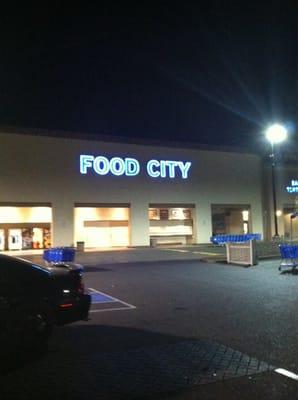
x=57, y=191
x=286, y=178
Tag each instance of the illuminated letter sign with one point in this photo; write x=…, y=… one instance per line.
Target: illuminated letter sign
x=294, y=186
x=165, y=168
x=117, y=166
x=101, y=165
x=131, y=167
x=85, y=162
x=152, y=168
x=184, y=167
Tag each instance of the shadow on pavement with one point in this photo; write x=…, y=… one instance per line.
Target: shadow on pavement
x=14, y=357
x=124, y=363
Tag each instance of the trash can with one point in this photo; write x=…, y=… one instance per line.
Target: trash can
x=153, y=242
x=80, y=246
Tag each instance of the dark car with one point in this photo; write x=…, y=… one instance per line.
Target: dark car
x=33, y=299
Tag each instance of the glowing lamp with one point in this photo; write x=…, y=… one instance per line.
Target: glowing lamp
x=276, y=133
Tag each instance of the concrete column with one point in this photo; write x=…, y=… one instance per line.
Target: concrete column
x=139, y=224
x=62, y=224
x=202, y=222
x=257, y=219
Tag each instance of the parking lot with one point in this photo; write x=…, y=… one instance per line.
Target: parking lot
x=172, y=326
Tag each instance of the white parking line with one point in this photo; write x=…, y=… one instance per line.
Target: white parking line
x=286, y=373
x=206, y=253
x=113, y=309
x=127, y=305
x=177, y=250
x=193, y=252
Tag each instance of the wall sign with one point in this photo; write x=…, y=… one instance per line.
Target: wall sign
x=293, y=188
x=131, y=167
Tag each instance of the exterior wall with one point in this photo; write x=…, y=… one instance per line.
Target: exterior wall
x=284, y=200
x=46, y=170
x=139, y=228
x=63, y=222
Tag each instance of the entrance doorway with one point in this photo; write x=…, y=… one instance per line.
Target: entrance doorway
x=290, y=223
x=230, y=219
x=102, y=226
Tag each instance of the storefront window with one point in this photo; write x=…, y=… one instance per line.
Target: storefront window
x=164, y=214
x=170, y=213
x=154, y=213
x=171, y=225
x=27, y=238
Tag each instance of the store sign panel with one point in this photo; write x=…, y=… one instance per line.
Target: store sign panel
x=132, y=167
x=293, y=188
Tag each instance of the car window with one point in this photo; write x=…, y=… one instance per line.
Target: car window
x=18, y=277
x=9, y=276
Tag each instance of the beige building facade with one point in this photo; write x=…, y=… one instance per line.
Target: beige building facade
x=59, y=190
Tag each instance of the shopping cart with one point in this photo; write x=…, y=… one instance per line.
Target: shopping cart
x=289, y=256
x=221, y=240
x=58, y=255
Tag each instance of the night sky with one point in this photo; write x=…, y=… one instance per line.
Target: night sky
x=214, y=74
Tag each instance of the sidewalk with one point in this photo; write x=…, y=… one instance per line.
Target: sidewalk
x=204, y=253
x=129, y=255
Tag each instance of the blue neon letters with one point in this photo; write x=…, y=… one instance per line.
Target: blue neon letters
x=131, y=167
x=116, y=165
x=166, y=168
x=294, y=186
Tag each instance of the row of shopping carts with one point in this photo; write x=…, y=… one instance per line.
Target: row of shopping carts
x=56, y=255
x=289, y=256
x=223, y=239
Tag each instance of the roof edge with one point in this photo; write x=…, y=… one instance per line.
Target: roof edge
x=122, y=139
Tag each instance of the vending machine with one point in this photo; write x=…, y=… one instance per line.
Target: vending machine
x=2, y=240
x=15, y=239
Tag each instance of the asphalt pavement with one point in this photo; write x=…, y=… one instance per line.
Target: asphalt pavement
x=171, y=324
x=207, y=253
x=203, y=252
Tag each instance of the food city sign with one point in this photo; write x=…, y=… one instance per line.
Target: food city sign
x=128, y=166
x=293, y=188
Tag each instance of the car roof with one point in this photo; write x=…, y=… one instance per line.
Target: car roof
x=22, y=262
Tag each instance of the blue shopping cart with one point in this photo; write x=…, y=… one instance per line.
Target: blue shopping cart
x=223, y=239
x=289, y=256
x=56, y=255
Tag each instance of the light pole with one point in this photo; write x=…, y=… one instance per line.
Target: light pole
x=276, y=133
x=293, y=216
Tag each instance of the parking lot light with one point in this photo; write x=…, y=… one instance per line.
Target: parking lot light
x=275, y=133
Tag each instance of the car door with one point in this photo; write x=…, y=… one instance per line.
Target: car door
x=4, y=290
x=12, y=287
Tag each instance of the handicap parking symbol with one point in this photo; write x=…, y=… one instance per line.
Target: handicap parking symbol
x=103, y=302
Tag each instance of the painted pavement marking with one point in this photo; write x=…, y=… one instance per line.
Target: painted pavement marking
x=193, y=252
x=207, y=253
x=286, y=373
x=113, y=309
x=177, y=250
x=99, y=298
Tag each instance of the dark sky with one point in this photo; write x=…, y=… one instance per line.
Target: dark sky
x=217, y=73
